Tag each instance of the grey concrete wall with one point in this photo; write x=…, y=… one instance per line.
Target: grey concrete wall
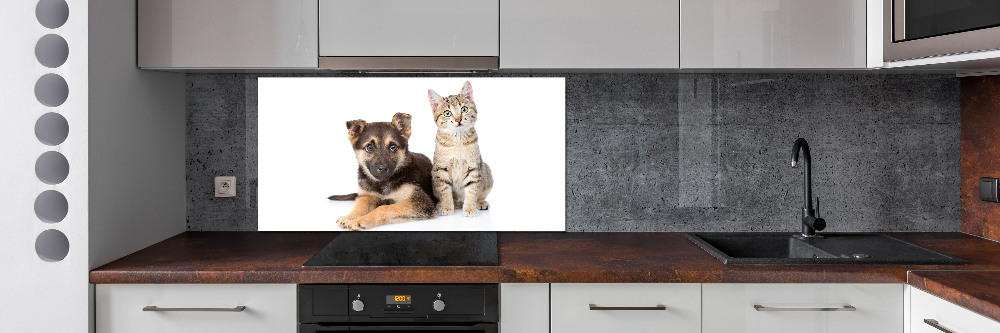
x=683, y=152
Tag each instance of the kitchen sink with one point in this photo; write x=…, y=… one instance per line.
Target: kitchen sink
x=789, y=248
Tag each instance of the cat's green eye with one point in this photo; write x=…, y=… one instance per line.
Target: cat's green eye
x=447, y=113
x=464, y=110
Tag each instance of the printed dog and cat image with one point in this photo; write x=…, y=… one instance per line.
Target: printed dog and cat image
x=397, y=185
x=418, y=159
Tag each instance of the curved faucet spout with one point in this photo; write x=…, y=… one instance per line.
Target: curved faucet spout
x=802, y=145
x=810, y=222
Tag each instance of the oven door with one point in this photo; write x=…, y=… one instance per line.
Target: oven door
x=472, y=328
x=927, y=28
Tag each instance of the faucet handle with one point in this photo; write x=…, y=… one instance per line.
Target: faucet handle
x=817, y=206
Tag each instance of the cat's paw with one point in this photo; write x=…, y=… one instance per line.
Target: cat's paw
x=483, y=205
x=445, y=209
x=470, y=210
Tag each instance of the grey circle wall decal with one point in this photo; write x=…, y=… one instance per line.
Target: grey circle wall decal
x=51, y=206
x=52, y=245
x=51, y=51
x=51, y=90
x=52, y=129
x=52, y=13
x=52, y=168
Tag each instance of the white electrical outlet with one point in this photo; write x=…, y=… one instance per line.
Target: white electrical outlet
x=225, y=186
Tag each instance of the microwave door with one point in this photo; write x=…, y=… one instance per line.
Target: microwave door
x=916, y=19
x=914, y=29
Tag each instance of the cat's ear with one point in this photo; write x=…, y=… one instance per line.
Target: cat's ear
x=467, y=91
x=434, y=98
x=402, y=123
x=354, y=129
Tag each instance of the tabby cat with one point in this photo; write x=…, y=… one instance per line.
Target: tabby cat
x=459, y=175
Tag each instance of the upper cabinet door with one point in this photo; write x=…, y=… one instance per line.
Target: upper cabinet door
x=227, y=34
x=409, y=28
x=589, y=34
x=774, y=34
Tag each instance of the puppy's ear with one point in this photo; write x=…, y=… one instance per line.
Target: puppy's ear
x=354, y=128
x=434, y=98
x=467, y=91
x=402, y=123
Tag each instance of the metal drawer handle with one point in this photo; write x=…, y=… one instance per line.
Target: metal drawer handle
x=759, y=307
x=615, y=308
x=935, y=324
x=234, y=309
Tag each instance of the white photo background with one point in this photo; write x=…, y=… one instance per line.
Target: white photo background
x=304, y=155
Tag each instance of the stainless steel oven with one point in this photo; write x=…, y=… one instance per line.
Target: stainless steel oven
x=466, y=308
x=926, y=28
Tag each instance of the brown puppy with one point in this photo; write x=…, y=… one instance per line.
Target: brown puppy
x=395, y=183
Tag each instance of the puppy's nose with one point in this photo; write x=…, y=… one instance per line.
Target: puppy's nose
x=382, y=168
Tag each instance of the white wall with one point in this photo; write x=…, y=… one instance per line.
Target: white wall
x=125, y=150
x=137, y=184
x=36, y=295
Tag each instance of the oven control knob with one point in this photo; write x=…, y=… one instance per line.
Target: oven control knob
x=358, y=305
x=438, y=305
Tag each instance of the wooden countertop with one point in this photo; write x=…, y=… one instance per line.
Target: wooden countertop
x=978, y=291
x=277, y=257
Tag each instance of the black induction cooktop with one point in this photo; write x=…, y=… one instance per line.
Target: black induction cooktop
x=408, y=248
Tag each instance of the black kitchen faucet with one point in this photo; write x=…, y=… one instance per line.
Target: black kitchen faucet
x=810, y=222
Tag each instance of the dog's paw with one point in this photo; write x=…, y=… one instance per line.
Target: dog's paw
x=342, y=221
x=483, y=205
x=349, y=223
x=470, y=210
x=445, y=210
x=355, y=224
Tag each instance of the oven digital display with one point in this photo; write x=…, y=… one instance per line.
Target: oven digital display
x=397, y=299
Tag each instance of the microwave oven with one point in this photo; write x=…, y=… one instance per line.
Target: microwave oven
x=915, y=29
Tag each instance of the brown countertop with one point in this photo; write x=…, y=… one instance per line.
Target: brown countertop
x=978, y=291
x=277, y=257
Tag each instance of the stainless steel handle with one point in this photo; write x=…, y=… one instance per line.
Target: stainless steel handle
x=759, y=307
x=935, y=324
x=234, y=309
x=898, y=17
x=630, y=308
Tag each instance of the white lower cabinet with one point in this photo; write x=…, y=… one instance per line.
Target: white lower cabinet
x=524, y=308
x=930, y=314
x=195, y=308
x=626, y=307
x=802, y=308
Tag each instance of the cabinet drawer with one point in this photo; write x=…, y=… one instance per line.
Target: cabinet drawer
x=948, y=315
x=641, y=307
x=269, y=308
x=783, y=307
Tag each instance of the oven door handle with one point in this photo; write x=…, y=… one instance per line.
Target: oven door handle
x=424, y=327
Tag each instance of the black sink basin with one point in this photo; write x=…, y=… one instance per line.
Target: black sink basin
x=787, y=248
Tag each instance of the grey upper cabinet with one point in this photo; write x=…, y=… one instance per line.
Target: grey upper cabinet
x=775, y=34
x=409, y=34
x=407, y=28
x=227, y=34
x=589, y=34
